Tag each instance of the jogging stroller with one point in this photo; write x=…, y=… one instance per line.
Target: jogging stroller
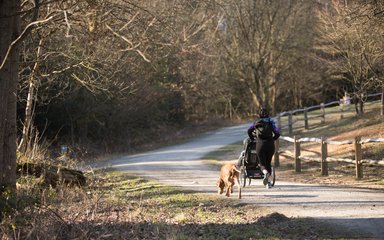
x=250, y=166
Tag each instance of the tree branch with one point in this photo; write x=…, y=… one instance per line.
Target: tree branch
x=26, y=30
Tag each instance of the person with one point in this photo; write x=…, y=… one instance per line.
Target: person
x=263, y=132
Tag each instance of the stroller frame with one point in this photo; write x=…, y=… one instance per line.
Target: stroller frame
x=250, y=166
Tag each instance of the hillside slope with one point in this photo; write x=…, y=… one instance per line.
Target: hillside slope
x=370, y=125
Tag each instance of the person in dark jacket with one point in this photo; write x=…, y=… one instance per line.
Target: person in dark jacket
x=263, y=132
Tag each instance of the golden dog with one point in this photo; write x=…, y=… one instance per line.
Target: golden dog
x=229, y=175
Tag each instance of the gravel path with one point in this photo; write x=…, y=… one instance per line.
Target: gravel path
x=179, y=165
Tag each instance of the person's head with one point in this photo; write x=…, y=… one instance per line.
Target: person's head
x=263, y=113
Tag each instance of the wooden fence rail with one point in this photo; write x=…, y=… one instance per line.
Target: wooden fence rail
x=324, y=159
x=321, y=116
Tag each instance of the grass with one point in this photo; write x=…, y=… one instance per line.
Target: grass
x=119, y=206
x=333, y=122
x=228, y=152
x=115, y=205
x=369, y=125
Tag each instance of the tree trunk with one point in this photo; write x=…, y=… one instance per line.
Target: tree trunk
x=9, y=64
x=26, y=136
x=361, y=107
x=255, y=100
x=273, y=90
x=359, y=104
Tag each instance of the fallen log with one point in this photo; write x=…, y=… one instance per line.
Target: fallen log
x=52, y=175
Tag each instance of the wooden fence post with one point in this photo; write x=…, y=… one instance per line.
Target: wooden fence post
x=305, y=118
x=322, y=112
x=341, y=107
x=290, y=123
x=276, y=156
x=278, y=119
x=358, y=153
x=297, y=154
x=324, y=154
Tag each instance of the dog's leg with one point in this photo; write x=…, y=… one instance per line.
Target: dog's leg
x=235, y=177
x=228, y=188
x=220, y=186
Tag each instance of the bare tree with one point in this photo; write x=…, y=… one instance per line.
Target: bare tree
x=351, y=46
x=257, y=42
x=91, y=61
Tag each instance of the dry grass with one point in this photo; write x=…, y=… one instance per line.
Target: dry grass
x=371, y=125
x=119, y=206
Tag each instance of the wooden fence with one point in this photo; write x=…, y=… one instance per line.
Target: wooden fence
x=324, y=159
x=321, y=116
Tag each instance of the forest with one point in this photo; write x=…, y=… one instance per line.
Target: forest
x=110, y=75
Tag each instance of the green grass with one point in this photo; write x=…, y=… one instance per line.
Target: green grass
x=224, y=151
x=119, y=206
x=228, y=152
x=115, y=205
x=179, y=214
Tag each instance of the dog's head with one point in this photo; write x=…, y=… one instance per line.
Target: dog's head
x=220, y=186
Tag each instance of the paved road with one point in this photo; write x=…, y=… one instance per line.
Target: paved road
x=179, y=165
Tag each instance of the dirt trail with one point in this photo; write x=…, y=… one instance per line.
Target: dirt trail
x=179, y=165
